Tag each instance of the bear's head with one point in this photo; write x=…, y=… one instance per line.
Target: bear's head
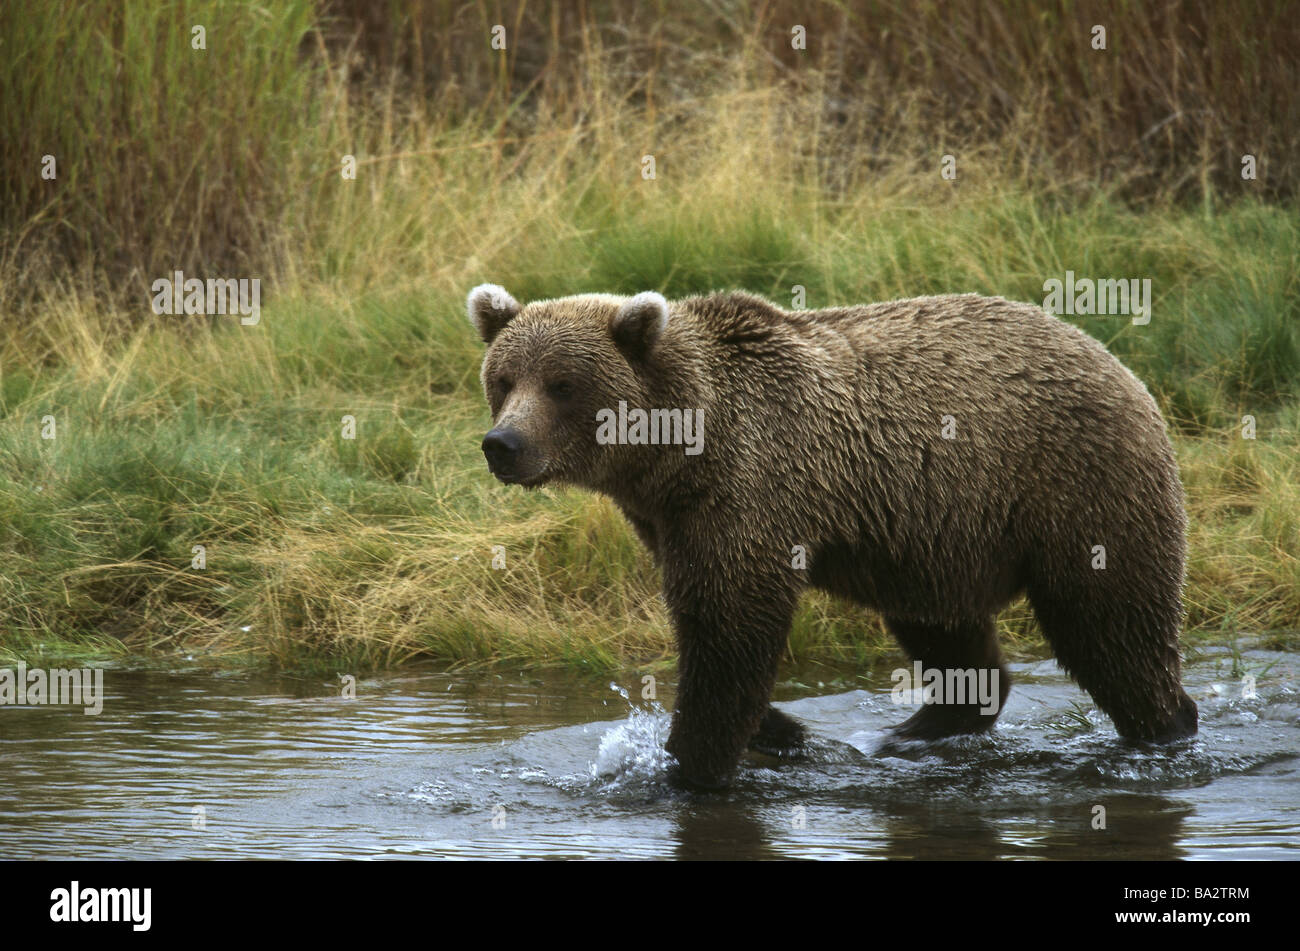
x=551, y=367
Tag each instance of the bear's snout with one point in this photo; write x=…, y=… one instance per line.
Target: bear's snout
x=502, y=448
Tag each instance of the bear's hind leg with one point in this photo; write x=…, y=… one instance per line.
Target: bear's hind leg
x=974, y=684
x=1124, y=652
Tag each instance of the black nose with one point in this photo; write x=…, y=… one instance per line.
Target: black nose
x=501, y=446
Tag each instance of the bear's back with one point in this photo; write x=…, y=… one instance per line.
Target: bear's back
x=889, y=413
x=963, y=347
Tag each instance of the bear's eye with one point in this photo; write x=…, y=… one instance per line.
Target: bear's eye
x=505, y=384
x=560, y=390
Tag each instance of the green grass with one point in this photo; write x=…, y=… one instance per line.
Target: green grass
x=335, y=552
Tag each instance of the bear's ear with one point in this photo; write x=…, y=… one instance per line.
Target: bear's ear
x=639, y=322
x=490, y=309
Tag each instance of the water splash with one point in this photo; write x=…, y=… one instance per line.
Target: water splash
x=634, y=750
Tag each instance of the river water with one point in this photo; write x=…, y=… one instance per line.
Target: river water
x=196, y=764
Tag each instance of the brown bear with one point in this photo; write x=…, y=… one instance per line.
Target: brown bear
x=931, y=459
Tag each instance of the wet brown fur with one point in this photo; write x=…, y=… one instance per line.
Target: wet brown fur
x=824, y=429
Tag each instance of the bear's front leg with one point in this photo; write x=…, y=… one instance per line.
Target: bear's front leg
x=730, y=635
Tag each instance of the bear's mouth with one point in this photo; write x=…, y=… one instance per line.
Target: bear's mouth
x=510, y=477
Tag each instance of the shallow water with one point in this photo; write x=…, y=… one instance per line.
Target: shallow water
x=426, y=763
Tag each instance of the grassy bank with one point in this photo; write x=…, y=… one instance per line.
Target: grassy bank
x=326, y=550
x=172, y=432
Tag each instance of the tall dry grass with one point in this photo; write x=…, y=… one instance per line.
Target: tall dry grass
x=219, y=160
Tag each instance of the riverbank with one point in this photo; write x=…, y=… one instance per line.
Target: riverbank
x=324, y=551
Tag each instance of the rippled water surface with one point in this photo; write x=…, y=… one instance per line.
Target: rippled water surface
x=424, y=763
